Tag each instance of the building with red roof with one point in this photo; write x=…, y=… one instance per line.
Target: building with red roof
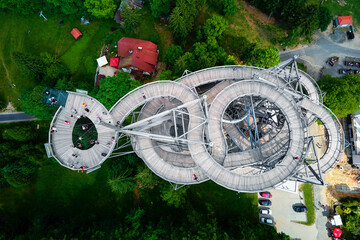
x=137, y=55
x=344, y=21
x=76, y=33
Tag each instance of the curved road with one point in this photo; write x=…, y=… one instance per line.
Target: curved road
x=321, y=51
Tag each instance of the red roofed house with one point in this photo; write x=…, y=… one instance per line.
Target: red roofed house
x=137, y=55
x=76, y=33
x=345, y=21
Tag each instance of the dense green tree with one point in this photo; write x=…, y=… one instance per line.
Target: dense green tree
x=182, y=18
x=29, y=65
x=113, y=88
x=230, y=60
x=341, y=93
x=121, y=181
x=173, y=52
x=185, y=62
x=69, y=7
x=266, y=58
x=160, y=7
x=350, y=212
x=145, y=178
x=229, y=7
x=19, y=175
x=131, y=18
x=31, y=100
x=23, y=6
x=101, y=8
x=215, y=26
x=166, y=75
x=172, y=197
x=324, y=18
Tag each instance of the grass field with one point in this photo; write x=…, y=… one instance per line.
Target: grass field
x=47, y=36
x=309, y=202
x=351, y=7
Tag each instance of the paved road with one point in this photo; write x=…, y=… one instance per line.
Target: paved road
x=322, y=50
x=15, y=117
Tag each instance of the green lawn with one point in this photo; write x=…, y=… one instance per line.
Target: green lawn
x=47, y=36
x=309, y=202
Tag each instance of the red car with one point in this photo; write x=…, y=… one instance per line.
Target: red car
x=265, y=194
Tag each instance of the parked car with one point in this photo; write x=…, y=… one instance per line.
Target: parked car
x=343, y=71
x=265, y=211
x=300, y=208
x=266, y=220
x=265, y=194
x=350, y=35
x=349, y=71
x=265, y=202
x=333, y=60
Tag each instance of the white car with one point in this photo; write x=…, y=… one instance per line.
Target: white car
x=265, y=211
x=266, y=220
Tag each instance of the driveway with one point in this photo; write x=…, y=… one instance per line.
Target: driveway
x=15, y=117
x=285, y=218
x=322, y=49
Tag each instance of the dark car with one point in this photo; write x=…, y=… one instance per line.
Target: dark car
x=300, y=209
x=265, y=194
x=350, y=34
x=348, y=63
x=343, y=71
x=265, y=202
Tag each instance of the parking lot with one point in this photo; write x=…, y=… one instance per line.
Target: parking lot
x=286, y=219
x=334, y=70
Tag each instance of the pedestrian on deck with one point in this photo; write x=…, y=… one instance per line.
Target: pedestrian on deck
x=296, y=158
x=96, y=142
x=143, y=94
x=87, y=110
x=92, y=141
x=195, y=177
x=84, y=105
x=67, y=122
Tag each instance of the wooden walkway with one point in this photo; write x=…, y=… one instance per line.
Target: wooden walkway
x=204, y=152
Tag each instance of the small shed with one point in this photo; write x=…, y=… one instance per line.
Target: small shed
x=343, y=21
x=102, y=61
x=114, y=62
x=76, y=33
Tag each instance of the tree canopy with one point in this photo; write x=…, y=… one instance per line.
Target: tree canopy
x=229, y=7
x=101, y=8
x=342, y=94
x=31, y=100
x=350, y=212
x=262, y=57
x=182, y=18
x=215, y=26
x=324, y=18
x=113, y=88
x=160, y=7
x=173, y=52
x=131, y=19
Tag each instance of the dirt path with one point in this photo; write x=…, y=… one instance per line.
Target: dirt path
x=6, y=71
x=257, y=14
